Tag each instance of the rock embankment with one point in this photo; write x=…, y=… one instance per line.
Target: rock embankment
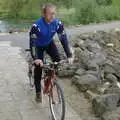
x=96, y=71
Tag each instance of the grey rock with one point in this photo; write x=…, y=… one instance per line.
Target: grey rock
x=112, y=115
x=85, y=56
x=88, y=81
x=91, y=95
x=67, y=70
x=104, y=86
x=109, y=69
x=75, y=79
x=117, y=68
x=80, y=72
x=84, y=36
x=91, y=65
x=105, y=103
x=92, y=46
x=95, y=73
x=99, y=58
x=112, y=90
x=78, y=52
x=78, y=43
x=111, y=78
x=66, y=73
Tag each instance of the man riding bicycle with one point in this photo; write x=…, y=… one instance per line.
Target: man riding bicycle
x=41, y=39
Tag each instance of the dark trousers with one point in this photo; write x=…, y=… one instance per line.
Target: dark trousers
x=52, y=51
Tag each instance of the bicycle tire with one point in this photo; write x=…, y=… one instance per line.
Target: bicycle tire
x=51, y=103
x=31, y=75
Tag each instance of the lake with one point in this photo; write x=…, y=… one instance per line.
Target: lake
x=15, y=25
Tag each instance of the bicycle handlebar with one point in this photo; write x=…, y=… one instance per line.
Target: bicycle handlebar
x=57, y=63
x=52, y=65
x=49, y=65
x=27, y=50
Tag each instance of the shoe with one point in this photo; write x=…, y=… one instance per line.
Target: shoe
x=38, y=97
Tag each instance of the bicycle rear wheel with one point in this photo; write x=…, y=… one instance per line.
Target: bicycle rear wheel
x=57, y=102
x=31, y=75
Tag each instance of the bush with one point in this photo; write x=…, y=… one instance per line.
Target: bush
x=70, y=11
x=104, y=2
x=85, y=11
x=111, y=13
x=107, y=13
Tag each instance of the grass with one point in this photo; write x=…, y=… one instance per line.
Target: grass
x=84, y=12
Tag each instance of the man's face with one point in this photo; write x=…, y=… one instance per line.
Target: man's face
x=49, y=14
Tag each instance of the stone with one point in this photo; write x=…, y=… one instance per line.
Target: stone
x=92, y=66
x=105, y=103
x=95, y=73
x=112, y=115
x=112, y=90
x=90, y=95
x=86, y=81
x=78, y=43
x=66, y=70
x=109, y=69
x=92, y=46
x=99, y=58
x=85, y=56
x=75, y=79
x=111, y=78
x=83, y=36
x=78, y=52
x=80, y=72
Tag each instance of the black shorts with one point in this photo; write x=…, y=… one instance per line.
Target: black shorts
x=51, y=50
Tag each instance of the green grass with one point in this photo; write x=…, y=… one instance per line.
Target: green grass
x=81, y=12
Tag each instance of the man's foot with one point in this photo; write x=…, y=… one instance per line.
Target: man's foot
x=38, y=97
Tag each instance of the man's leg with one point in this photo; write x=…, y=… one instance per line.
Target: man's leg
x=37, y=77
x=53, y=52
x=38, y=74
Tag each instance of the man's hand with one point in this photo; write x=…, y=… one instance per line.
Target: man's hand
x=70, y=60
x=38, y=62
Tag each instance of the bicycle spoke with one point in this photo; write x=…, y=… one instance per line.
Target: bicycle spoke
x=57, y=103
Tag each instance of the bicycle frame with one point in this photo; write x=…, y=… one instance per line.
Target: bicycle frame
x=48, y=80
x=51, y=87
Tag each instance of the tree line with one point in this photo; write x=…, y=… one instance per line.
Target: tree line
x=70, y=11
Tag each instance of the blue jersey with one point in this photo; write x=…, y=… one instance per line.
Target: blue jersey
x=41, y=34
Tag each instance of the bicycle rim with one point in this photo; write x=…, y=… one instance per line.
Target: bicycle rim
x=57, y=102
x=31, y=77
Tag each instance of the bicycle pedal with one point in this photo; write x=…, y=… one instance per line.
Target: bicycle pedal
x=55, y=102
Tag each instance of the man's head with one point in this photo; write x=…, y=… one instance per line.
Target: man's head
x=48, y=12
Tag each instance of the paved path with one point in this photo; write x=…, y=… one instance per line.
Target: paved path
x=16, y=98
x=22, y=39
x=94, y=27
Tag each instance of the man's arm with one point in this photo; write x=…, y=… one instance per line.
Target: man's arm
x=32, y=43
x=63, y=38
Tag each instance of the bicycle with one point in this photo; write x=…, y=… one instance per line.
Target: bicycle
x=30, y=68
x=50, y=87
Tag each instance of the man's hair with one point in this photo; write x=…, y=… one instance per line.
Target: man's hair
x=44, y=7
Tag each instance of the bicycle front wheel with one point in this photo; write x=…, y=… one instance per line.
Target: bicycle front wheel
x=57, y=102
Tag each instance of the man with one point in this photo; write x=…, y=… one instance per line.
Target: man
x=41, y=39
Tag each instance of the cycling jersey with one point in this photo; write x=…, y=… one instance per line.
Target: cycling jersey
x=41, y=35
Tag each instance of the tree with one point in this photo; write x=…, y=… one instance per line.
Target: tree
x=104, y=2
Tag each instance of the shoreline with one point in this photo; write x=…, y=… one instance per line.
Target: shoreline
x=78, y=28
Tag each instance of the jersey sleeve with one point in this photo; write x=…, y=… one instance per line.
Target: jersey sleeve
x=33, y=34
x=63, y=38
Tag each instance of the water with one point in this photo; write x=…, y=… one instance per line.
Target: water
x=15, y=25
